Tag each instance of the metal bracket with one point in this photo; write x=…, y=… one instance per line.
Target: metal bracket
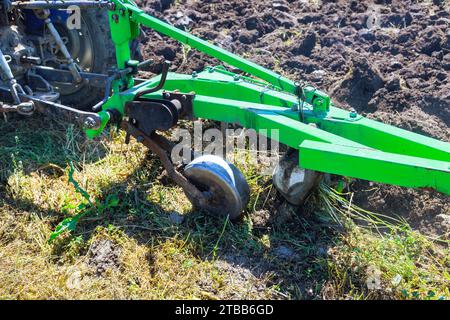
x=186, y=101
x=149, y=115
x=161, y=147
x=161, y=83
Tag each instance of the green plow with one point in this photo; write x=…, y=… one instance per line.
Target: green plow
x=328, y=139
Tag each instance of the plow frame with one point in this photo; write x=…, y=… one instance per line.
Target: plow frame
x=329, y=139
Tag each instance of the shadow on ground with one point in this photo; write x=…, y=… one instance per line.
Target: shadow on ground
x=275, y=245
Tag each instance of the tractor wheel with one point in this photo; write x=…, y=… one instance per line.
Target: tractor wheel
x=223, y=182
x=92, y=49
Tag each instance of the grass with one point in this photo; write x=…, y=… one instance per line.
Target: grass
x=393, y=260
x=330, y=249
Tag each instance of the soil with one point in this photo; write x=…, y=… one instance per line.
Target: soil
x=387, y=59
x=104, y=255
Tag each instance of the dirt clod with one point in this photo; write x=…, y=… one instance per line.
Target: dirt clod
x=358, y=88
x=248, y=37
x=444, y=220
x=304, y=44
x=104, y=254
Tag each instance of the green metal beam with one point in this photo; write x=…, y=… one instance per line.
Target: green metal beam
x=139, y=16
x=374, y=165
x=263, y=117
x=387, y=138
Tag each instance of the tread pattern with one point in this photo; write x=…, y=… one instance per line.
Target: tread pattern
x=104, y=59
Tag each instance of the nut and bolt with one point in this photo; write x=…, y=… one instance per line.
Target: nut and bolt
x=90, y=123
x=353, y=114
x=111, y=6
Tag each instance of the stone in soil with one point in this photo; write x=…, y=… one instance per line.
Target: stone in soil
x=284, y=252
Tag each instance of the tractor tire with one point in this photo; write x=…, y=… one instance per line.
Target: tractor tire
x=94, y=51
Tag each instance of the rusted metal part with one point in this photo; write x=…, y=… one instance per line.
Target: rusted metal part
x=160, y=146
x=163, y=142
x=168, y=145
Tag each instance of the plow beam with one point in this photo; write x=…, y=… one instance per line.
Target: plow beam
x=335, y=142
x=375, y=165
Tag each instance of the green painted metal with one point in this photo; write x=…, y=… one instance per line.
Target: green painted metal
x=104, y=117
x=328, y=138
x=389, y=139
x=376, y=165
x=350, y=146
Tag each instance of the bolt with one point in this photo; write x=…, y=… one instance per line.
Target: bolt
x=194, y=74
x=210, y=69
x=237, y=77
x=111, y=6
x=90, y=123
x=353, y=114
x=122, y=12
x=133, y=121
x=184, y=97
x=115, y=18
x=167, y=95
x=26, y=107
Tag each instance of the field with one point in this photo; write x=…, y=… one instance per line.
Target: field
x=139, y=237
